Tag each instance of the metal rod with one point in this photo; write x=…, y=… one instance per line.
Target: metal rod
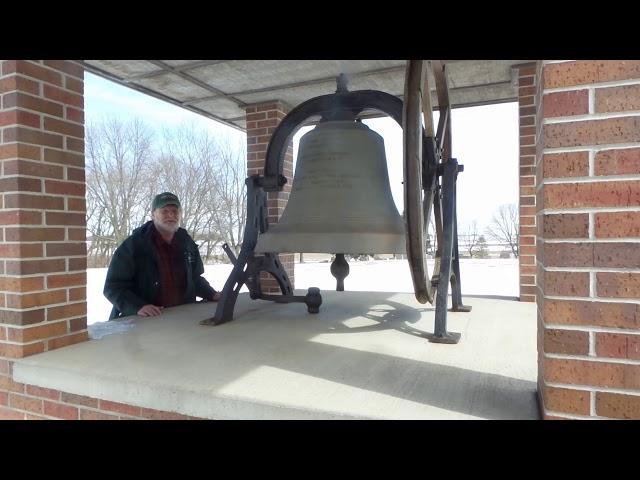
x=229, y=253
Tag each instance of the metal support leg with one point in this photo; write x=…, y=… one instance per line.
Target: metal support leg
x=247, y=267
x=456, y=288
x=271, y=264
x=440, y=334
x=256, y=213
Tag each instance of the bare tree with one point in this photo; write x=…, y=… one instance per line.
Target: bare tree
x=118, y=156
x=471, y=238
x=187, y=167
x=124, y=173
x=230, y=196
x=208, y=176
x=504, y=226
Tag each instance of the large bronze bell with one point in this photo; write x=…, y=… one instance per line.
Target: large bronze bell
x=340, y=200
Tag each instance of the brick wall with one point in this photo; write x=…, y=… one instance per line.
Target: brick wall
x=262, y=120
x=527, y=199
x=19, y=401
x=588, y=206
x=42, y=207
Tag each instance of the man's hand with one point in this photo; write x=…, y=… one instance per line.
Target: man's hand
x=150, y=311
x=216, y=296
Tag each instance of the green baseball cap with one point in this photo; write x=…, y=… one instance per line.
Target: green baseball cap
x=164, y=199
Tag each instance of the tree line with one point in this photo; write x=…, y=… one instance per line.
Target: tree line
x=503, y=229
x=127, y=164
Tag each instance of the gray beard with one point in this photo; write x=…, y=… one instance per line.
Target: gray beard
x=166, y=228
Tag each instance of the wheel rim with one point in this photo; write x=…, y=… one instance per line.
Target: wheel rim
x=416, y=203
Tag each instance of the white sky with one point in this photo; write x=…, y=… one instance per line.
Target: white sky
x=485, y=141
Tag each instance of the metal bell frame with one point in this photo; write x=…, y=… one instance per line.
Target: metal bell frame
x=430, y=176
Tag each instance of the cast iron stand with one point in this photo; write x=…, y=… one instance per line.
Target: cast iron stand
x=247, y=267
x=338, y=106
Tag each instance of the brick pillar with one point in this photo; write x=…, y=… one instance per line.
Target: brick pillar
x=42, y=208
x=589, y=234
x=262, y=120
x=527, y=205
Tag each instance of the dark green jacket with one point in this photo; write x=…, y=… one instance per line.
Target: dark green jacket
x=133, y=278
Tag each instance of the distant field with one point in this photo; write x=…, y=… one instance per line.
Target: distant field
x=478, y=277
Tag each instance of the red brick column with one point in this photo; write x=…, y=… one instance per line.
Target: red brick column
x=262, y=120
x=527, y=203
x=42, y=207
x=589, y=240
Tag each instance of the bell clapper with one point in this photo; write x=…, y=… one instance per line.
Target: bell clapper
x=340, y=270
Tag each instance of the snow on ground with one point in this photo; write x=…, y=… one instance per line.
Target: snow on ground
x=497, y=277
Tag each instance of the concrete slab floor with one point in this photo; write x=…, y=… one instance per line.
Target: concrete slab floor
x=364, y=355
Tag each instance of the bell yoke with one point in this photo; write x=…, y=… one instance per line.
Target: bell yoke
x=340, y=203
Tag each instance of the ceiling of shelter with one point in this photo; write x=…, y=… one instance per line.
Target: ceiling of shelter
x=220, y=89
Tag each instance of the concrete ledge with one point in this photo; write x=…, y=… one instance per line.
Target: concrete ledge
x=364, y=355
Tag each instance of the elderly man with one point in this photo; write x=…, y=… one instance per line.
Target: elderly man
x=157, y=266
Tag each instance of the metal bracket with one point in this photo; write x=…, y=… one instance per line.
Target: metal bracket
x=247, y=266
x=449, y=260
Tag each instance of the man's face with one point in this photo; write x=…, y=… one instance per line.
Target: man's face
x=167, y=218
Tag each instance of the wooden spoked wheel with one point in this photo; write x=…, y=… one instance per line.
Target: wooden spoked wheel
x=421, y=184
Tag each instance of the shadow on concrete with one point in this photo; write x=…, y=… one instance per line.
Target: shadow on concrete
x=485, y=395
x=470, y=392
